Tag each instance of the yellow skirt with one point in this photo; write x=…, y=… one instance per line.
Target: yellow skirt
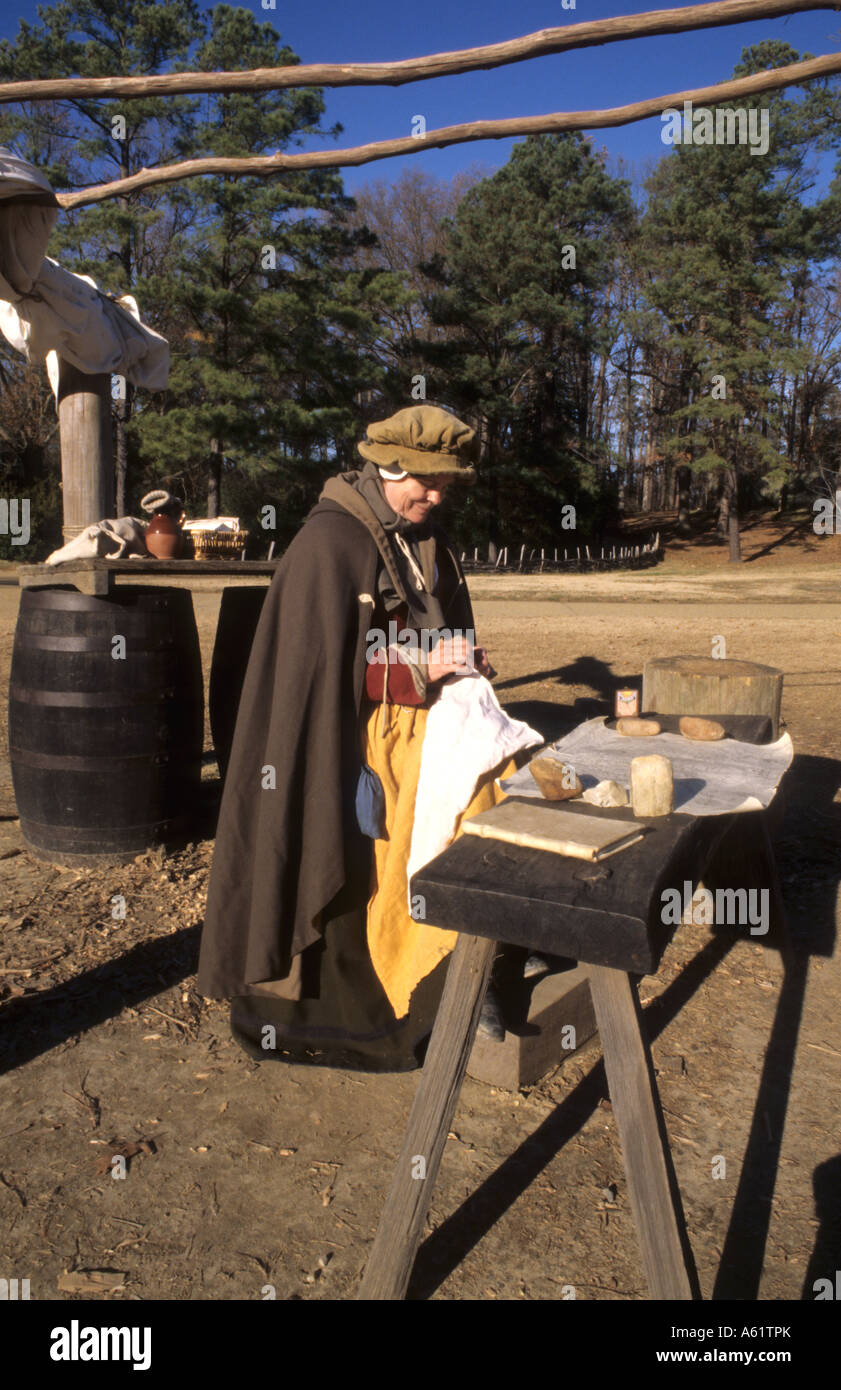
x=403, y=951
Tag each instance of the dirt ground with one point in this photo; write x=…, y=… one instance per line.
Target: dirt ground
x=251, y=1180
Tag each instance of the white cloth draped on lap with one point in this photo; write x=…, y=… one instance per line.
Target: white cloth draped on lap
x=467, y=735
x=46, y=310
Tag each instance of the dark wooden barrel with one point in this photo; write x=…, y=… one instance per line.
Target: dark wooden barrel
x=239, y=614
x=105, y=749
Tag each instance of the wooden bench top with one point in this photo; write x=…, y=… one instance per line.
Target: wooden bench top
x=600, y=913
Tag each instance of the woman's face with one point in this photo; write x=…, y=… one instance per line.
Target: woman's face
x=413, y=498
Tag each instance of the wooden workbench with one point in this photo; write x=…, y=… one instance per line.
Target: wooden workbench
x=608, y=916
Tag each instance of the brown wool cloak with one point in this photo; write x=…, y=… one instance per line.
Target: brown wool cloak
x=280, y=850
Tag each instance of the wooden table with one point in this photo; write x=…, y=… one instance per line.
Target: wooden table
x=98, y=576
x=607, y=915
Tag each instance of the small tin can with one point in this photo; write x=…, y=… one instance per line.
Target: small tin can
x=627, y=703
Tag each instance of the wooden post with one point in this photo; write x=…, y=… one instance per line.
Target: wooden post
x=87, y=456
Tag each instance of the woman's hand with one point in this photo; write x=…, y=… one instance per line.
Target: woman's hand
x=450, y=655
x=481, y=663
x=457, y=656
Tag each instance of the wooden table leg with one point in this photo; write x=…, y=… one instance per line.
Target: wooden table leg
x=652, y=1185
x=401, y=1224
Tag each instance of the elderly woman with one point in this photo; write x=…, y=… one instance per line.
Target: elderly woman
x=308, y=927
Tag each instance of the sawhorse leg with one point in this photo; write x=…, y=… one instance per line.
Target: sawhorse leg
x=652, y=1185
x=401, y=1224
x=655, y=1200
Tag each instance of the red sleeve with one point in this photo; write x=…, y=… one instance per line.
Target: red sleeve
x=401, y=687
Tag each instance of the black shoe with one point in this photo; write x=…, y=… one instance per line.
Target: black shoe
x=535, y=965
x=491, y=1024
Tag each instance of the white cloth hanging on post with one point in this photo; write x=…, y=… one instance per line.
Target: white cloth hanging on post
x=47, y=312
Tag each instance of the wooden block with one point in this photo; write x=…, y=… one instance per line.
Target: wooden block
x=702, y=685
x=535, y=1047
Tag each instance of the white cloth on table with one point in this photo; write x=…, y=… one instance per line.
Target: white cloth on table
x=710, y=778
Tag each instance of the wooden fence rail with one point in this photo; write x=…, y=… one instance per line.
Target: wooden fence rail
x=525, y=559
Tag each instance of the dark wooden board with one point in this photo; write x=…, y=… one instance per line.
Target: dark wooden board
x=746, y=728
x=98, y=576
x=91, y=564
x=601, y=914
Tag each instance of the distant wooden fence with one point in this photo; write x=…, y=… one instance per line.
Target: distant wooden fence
x=564, y=559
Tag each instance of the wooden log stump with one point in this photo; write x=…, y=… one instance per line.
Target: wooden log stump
x=87, y=457
x=698, y=685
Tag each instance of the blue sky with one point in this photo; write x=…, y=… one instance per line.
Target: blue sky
x=380, y=30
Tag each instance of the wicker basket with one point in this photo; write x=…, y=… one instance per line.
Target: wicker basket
x=214, y=545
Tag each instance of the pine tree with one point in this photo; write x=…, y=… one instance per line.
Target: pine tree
x=529, y=254
x=84, y=140
x=273, y=325
x=724, y=231
x=270, y=322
